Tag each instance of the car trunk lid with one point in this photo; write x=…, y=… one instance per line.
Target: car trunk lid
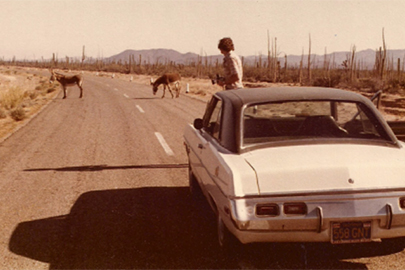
x=330, y=167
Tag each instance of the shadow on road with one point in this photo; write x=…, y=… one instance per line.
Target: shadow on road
x=159, y=227
x=107, y=167
x=147, y=98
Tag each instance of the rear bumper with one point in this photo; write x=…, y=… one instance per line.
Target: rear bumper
x=252, y=236
x=386, y=218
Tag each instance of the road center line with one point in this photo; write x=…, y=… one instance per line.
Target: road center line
x=164, y=144
x=140, y=109
x=125, y=95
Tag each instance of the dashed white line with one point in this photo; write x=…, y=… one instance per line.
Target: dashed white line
x=164, y=144
x=140, y=109
x=125, y=95
x=115, y=89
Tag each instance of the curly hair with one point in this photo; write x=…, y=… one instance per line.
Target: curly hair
x=226, y=44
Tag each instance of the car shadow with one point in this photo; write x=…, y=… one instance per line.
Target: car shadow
x=147, y=98
x=159, y=227
x=102, y=167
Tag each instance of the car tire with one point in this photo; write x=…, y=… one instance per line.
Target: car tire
x=192, y=182
x=226, y=240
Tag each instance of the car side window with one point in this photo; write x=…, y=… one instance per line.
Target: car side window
x=212, y=122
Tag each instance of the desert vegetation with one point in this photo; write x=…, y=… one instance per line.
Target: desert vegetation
x=22, y=94
x=15, y=100
x=387, y=74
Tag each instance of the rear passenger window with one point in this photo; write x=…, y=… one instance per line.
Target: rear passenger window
x=213, y=121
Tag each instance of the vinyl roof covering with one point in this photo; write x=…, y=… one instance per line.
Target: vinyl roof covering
x=274, y=94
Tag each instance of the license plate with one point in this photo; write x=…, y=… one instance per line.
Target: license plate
x=351, y=232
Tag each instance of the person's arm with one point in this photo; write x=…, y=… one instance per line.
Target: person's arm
x=230, y=80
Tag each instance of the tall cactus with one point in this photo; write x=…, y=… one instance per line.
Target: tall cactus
x=83, y=55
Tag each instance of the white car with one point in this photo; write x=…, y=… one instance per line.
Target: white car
x=298, y=164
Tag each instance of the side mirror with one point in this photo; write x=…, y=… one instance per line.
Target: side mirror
x=198, y=123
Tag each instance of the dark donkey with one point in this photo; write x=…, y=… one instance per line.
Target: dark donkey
x=66, y=81
x=167, y=80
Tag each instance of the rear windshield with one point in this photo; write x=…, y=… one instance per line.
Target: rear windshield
x=273, y=122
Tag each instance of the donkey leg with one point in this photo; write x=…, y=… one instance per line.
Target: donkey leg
x=81, y=90
x=164, y=91
x=178, y=88
x=170, y=90
x=64, y=92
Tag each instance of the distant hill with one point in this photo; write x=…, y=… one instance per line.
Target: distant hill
x=366, y=57
x=153, y=56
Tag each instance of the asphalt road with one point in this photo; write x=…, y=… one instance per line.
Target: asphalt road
x=101, y=182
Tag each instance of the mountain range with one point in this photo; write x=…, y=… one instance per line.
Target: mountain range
x=163, y=56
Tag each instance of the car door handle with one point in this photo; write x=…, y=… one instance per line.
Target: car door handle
x=201, y=146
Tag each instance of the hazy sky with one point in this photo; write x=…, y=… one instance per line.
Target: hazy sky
x=32, y=29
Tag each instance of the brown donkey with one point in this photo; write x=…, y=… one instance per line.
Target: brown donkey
x=167, y=80
x=66, y=81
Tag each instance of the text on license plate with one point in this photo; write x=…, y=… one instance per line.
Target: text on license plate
x=351, y=232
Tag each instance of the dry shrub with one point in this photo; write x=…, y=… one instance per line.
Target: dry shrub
x=370, y=84
x=2, y=114
x=18, y=114
x=331, y=81
x=50, y=90
x=12, y=98
x=30, y=94
x=42, y=87
x=45, y=88
x=33, y=95
x=198, y=91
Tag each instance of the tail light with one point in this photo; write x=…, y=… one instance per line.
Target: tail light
x=295, y=208
x=270, y=209
x=402, y=203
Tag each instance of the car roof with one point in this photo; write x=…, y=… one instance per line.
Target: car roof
x=275, y=94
